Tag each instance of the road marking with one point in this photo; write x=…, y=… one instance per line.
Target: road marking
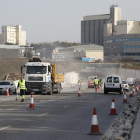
x=5, y=127
x=91, y=97
x=66, y=106
x=81, y=101
x=42, y=115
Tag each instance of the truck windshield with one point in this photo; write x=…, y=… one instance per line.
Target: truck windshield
x=36, y=69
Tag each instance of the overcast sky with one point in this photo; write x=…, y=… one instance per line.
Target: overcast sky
x=51, y=20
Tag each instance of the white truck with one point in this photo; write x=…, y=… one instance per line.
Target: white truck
x=41, y=78
x=130, y=80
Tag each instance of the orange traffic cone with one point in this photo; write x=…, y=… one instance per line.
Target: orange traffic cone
x=113, y=110
x=125, y=99
x=79, y=94
x=136, y=89
x=31, y=102
x=94, y=124
x=133, y=90
x=96, y=88
x=7, y=93
x=131, y=95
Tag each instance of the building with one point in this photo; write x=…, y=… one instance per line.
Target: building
x=77, y=52
x=13, y=34
x=95, y=27
x=125, y=41
x=9, y=51
x=120, y=37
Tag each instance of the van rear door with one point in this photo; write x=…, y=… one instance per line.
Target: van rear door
x=116, y=82
x=109, y=83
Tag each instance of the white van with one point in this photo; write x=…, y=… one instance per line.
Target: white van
x=113, y=83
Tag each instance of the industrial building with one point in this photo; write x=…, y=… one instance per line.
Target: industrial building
x=9, y=51
x=77, y=52
x=120, y=37
x=13, y=34
x=95, y=27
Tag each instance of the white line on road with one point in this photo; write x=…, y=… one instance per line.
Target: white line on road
x=42, y=114
x=81, y=101
x=66, y=106
x=5, y=127
x=91, y=97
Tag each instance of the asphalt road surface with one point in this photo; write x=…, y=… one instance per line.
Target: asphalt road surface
x=60, y=117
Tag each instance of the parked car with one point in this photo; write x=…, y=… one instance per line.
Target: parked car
x=91, y=81
x=113, y=83
x=125, y=85
x=7, y=84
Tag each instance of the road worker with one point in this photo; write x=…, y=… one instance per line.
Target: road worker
x=95, y=83
x=22, y=86
x=100, y=83
x=79, y=82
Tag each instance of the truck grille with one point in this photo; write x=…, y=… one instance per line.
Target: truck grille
x=35, y=78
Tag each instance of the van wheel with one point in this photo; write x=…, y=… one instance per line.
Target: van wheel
x=121, y=92
x=105, y=92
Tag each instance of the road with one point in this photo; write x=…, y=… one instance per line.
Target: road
x=58, y=117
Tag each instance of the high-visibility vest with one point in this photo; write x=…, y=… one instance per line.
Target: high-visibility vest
x=100, y=82
x=79, y=81
x=22, y=84
x=96, y=81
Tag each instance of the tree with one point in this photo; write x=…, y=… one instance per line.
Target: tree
x=28, y=54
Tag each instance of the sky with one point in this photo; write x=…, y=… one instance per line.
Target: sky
x=52, y=20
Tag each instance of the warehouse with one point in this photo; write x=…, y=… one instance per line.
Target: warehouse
x=9, y=51
x=77, y=52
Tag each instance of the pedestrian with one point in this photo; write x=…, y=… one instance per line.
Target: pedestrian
x=22, y=86
x=95, y=83
x=79, y=82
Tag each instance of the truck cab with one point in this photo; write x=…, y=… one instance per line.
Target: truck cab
x=40, y=77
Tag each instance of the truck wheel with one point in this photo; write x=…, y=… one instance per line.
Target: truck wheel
x=27, y=93
x=50, y=92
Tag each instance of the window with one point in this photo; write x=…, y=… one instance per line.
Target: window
x=118, y=23
x=109, y=79
x=121, y=23
x=124, y=23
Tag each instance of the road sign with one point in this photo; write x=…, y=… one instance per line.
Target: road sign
x=88, y=59
x=58, y=55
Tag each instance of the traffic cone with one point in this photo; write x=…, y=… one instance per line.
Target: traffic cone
x=113, y=110
x=133, y=90
x=94, y=124
x=96, y=88
x=125, y=99
x=79, y=94
x=31, y=102
x=131, y=95
x=136, y=89
x=7, y=93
